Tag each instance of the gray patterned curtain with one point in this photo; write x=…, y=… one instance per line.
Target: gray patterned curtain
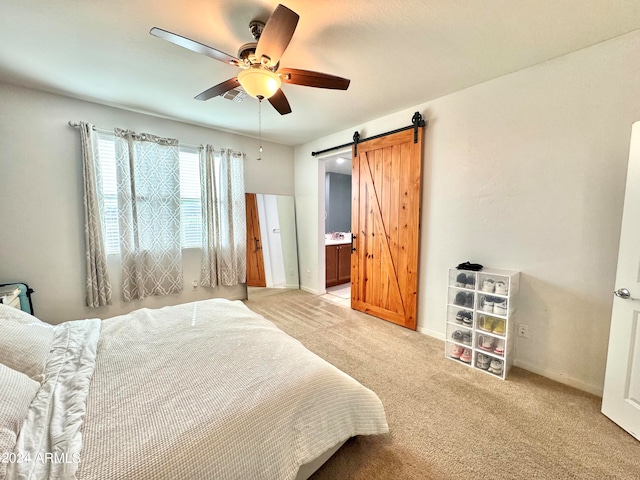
x=224, y=223
x=98, y=286
x=148, y=178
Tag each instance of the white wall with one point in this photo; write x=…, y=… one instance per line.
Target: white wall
x=42, y=230
x=309, y=192
x=524, y=172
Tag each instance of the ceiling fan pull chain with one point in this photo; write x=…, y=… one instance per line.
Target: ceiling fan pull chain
x=260, y=128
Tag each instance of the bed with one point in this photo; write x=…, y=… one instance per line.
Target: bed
x=204, y=390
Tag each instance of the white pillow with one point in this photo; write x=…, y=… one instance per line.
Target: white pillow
x=16, y=315
x=25, y=347
x=18, y=391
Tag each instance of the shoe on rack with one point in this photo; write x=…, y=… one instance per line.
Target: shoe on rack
x=500, y=306
x=499, y=349
x=457, y=336
x=501, y=287
x=466, y=355
x=466, y=338
x=488, y=285
x=471, y=281
x=461, y=299
x=461, y=280
x=498, y=326
x=469, y=300
x=486, y=304
x=485, y=323
x=456, y=351
x=495, y=366
x=483, y=361
x=467, y=319
x=485, y=342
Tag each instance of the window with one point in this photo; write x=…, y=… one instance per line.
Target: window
x=190, y=203
x=107, y=148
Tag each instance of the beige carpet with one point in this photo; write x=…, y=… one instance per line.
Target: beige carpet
x=254, y=293
x=446, y=420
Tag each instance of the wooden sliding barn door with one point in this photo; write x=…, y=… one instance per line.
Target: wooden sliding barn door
x=255, y=260
x=386, y=187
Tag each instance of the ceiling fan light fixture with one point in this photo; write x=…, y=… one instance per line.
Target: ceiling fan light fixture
x=259, y=61
x=259, y=82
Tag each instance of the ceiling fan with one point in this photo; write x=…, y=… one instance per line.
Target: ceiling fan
x=261, y=76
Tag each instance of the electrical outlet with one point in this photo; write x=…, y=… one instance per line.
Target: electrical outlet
x=523, y=330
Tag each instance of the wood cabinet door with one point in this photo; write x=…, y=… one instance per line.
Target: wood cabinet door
x=344, y=263
x=386, y=221
x=331, y=265
x=255, y=261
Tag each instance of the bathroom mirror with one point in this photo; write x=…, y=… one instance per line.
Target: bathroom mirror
x=272, y=250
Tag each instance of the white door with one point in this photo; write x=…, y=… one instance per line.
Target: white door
x=621, y=397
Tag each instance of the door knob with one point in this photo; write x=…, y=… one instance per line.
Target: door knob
x=624, y=293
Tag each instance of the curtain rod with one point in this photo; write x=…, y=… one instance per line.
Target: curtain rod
x=102, y=130
x=417, y=121
x=77, y=125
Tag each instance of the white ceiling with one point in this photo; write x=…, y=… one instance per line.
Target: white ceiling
x=339, y=163
x=396, y=53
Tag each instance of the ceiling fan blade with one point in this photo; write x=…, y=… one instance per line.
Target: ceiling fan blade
x=194, y=46
x=280, y=102
x=277, y=34
x=219, y=89
x=313, y=79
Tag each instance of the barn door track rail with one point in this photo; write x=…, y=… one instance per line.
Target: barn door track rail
x=416, y=122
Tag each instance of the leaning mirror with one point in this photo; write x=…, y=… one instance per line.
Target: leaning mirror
x=272, y=250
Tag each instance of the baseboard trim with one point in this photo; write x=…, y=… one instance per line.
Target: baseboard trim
x=310, y=290
x=558, y=377
x=432, y=333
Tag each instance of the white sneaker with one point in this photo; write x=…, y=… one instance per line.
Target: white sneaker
x=500, y=306
x=496, y=366
x=486, y=304
x=501, y=287
x=488, y=285
x=483, y=361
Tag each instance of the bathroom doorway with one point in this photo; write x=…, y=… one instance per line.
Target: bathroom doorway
x=337, y=225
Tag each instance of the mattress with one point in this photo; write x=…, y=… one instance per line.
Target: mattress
x=202, y=390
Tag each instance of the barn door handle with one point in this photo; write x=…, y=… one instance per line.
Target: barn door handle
x=353, y=238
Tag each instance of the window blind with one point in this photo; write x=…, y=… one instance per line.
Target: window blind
x=190, y=203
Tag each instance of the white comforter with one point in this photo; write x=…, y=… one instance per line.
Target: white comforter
x=206, y=390
x=49, y=443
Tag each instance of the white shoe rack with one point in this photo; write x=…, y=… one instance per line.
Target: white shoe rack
x=481, y=308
